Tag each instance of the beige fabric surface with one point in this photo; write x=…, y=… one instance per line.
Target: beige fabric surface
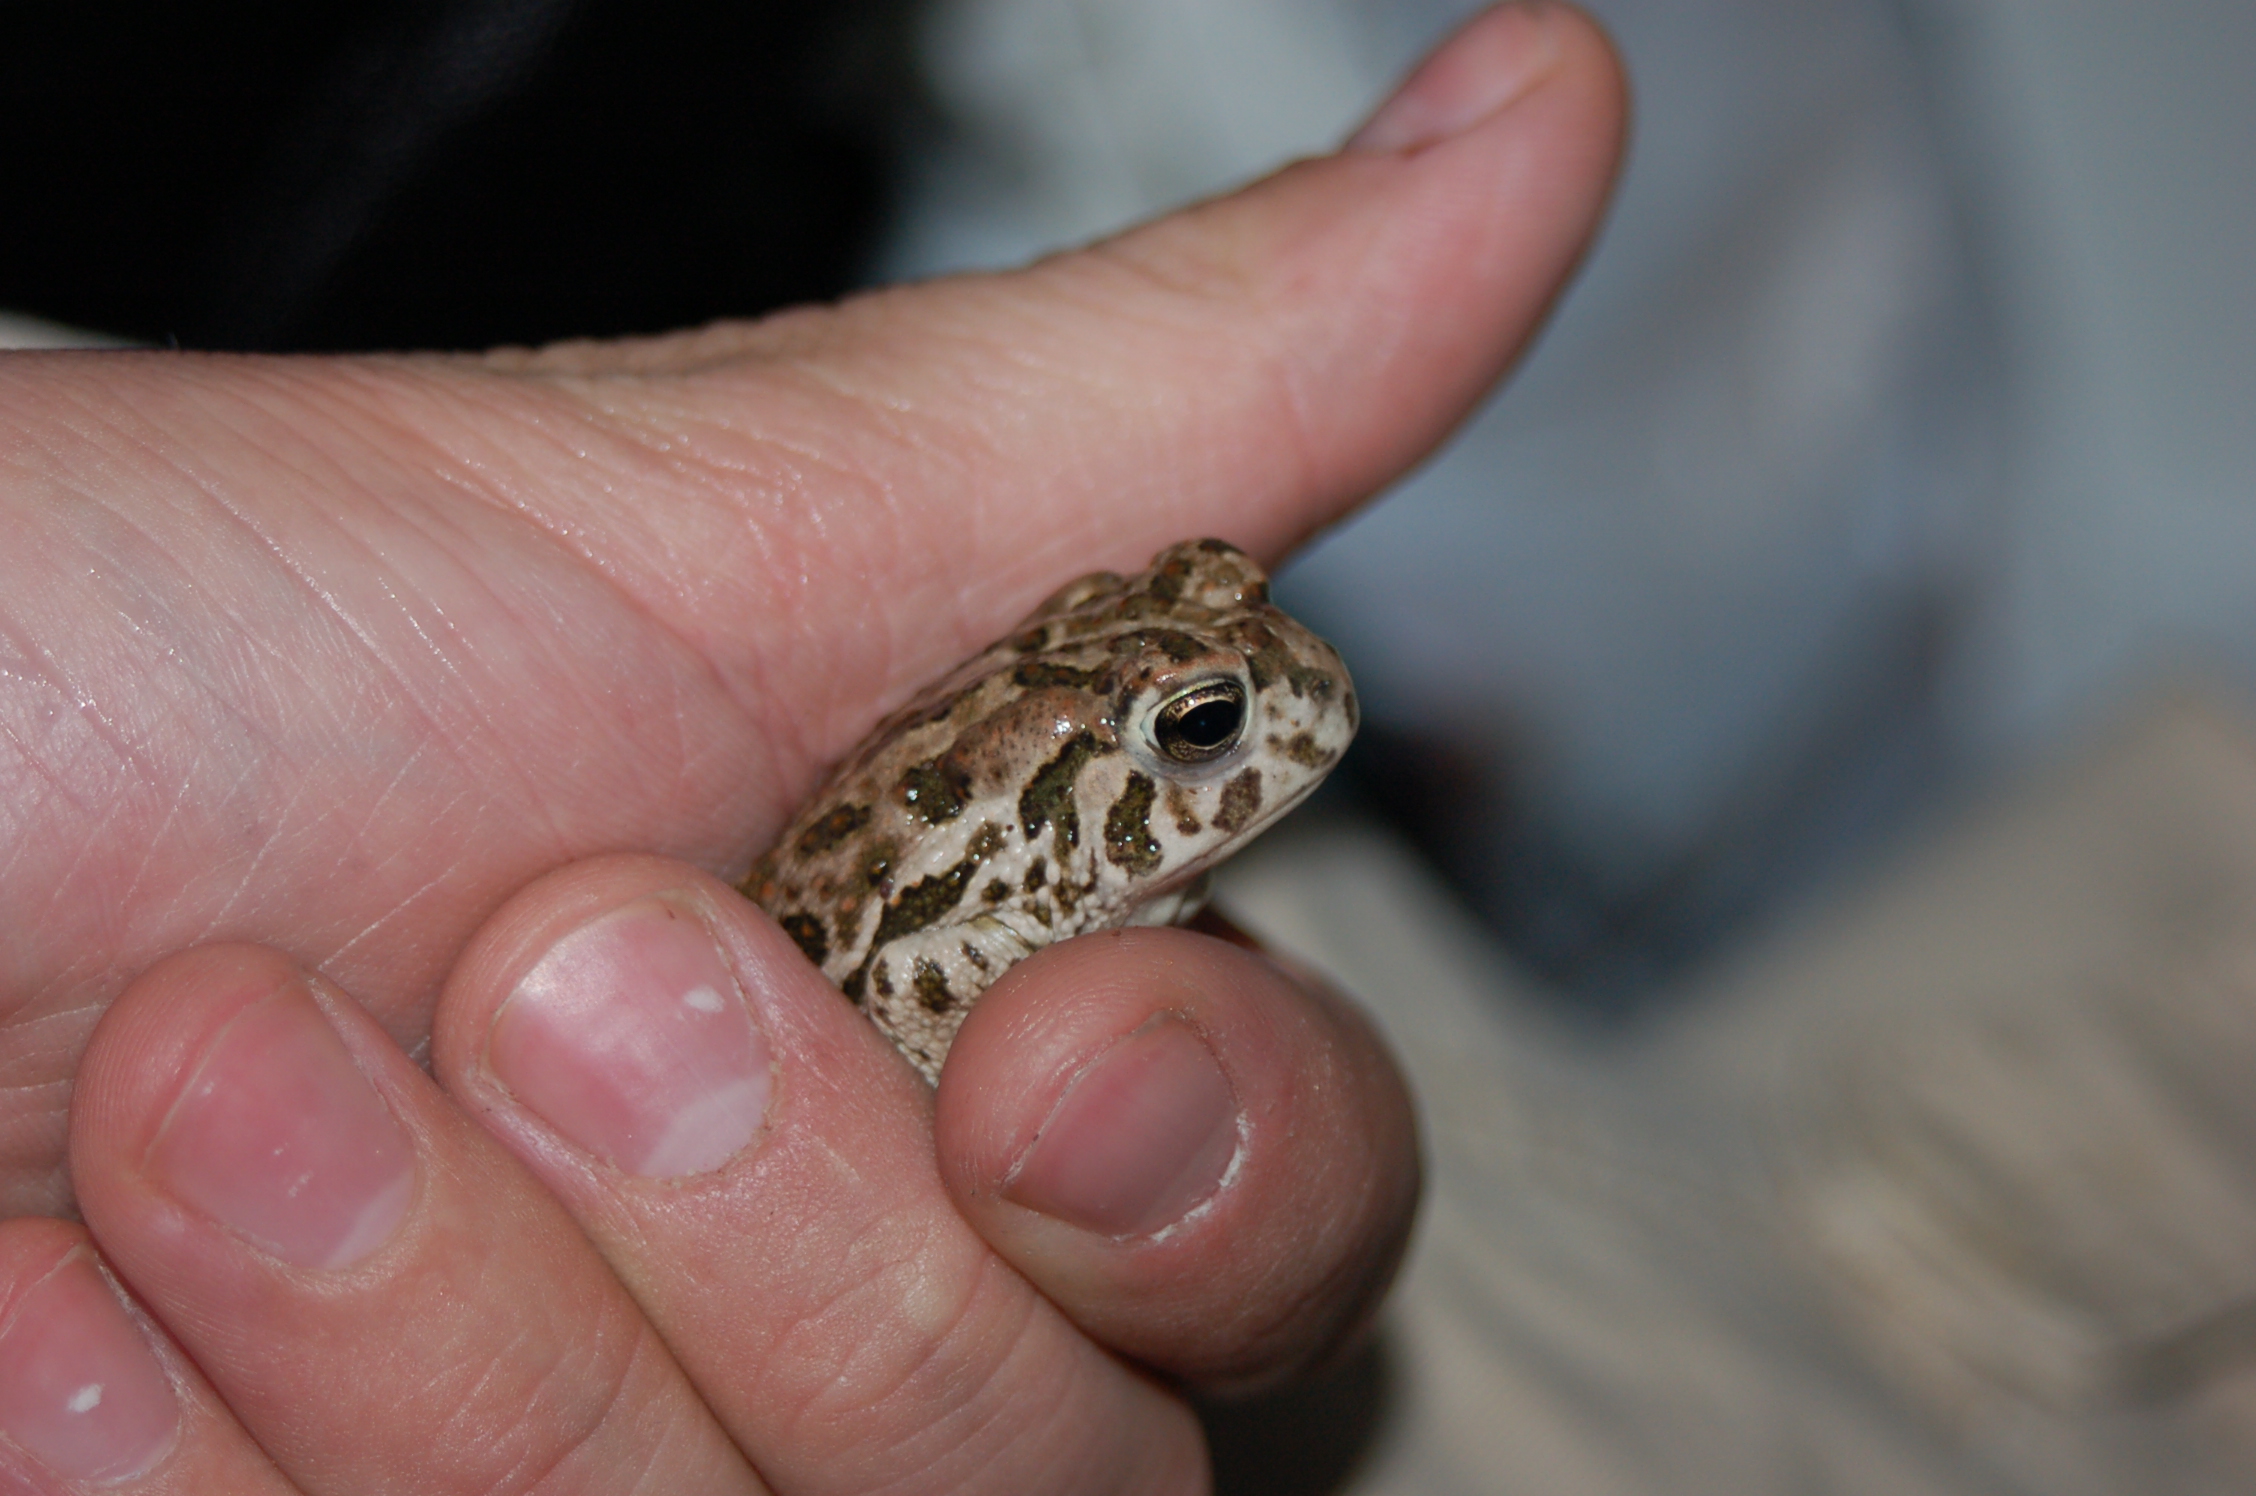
x=1949, y=1187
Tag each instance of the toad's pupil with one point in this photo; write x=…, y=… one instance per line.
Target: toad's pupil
x=1210, y=724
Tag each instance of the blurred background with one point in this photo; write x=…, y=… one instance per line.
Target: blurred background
x=1900, y=425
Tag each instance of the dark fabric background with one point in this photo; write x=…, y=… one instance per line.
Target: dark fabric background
x=439, y=173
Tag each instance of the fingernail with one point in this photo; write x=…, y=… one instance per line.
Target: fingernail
x=1491, y=61
x=632, y=1039
x=80, y=1389
x=280, y=1138
x=1143, y=1134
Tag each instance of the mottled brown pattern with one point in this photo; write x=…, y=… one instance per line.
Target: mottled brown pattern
x=1048, y=797
x=1173, y=643
x=1184, y=810
x=924, y=901
x=933, y=793
x=1036, y=674
x=1128, y=838
x=832, y=829
x=808, y=934
x=1241, y=801
x=1269, y=658
x=931, y=985
x=984, y=781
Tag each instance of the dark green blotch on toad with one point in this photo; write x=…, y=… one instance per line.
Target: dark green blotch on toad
x=932, y=793
x=1047, y=799
x=808, y=934
x=1173, y=643
x=923, y=902
x=1128, y=838
x=1180, y=806
x=1241, y=801
x=1035, y=675
x=827, y=833
x=1269, y=659
x=932, y=986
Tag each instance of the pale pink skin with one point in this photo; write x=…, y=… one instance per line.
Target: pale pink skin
x=336, y=656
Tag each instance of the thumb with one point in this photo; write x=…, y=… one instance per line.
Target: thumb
x=1250, y=367
x=332, y=654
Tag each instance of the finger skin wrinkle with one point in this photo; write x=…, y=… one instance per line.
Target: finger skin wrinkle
x=186, y=789
x=435, y=886
x=162, y=658
x=912, y=1341
x=1190, y=277
x=837, y=535
x=945, y=1376
x=34, y=1121
x=435, y=481
x=569, y=1424
x=80, y=880
x=30, y=764
x=895, y=454
x=374, y=653
x=246, y=875
x=166, y=630
x=38, y=669
x=46, y=1030
x=902, y=1293
x=631, y=519
x=560, y=1465
x=372, y=442
x=49, y=1021
x=1240, y=424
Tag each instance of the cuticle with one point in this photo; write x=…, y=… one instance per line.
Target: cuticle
x=15, y=1305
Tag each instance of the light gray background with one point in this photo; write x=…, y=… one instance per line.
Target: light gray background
x=1900, y=427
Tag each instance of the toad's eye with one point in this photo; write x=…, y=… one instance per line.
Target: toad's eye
x=1203, y=723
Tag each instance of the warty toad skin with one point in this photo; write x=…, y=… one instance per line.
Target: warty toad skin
x=1082, y=773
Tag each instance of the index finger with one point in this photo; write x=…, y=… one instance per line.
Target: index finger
x=773, y=1207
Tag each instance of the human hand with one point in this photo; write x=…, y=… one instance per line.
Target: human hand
x=702, y=1230
x=269, y=737
x=335, y=654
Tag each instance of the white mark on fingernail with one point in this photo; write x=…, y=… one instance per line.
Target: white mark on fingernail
x=707, y=1132
x=1221, y=1188
x=375, y=1222
x=86, y=1399
x=703, y=999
